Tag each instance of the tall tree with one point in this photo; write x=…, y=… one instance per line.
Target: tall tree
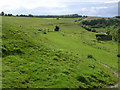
x=2, y=13
x=30, y=15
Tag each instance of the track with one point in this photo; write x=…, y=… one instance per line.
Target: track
x=115, y=72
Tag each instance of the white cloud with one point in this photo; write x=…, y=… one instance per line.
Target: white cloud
x=94, y=10
x=84, y=9
x=89, y=7
x=30, y=4
x=98, y=7
x=115, y=1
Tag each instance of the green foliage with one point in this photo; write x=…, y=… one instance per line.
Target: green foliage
x=90, y=56
x=100, y=22
x=9, y=14
x=116, y=35
x=88, y=28
x=93, y=30
x=6, y=15
x=57, y=28
x=57, y=18
x=98, y=38
x=118, y=55
x=30, y=15
x=108, y=32
x=44, y=32
x=117, y=16
x=2, y=13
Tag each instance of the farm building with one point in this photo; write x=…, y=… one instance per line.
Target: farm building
x=104, y=36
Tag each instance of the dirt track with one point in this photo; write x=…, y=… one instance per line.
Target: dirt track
x=115, y=72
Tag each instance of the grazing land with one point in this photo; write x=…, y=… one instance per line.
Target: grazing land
x=36, y=56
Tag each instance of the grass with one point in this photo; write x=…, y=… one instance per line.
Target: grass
x=32, y=59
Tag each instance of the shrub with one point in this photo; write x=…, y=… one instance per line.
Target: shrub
x=90, y=56
x=55, y=58
x=57, y=18
x=6, y=51
x=93, y=30
x=75, y=21
x=98, y=38
x=44, y=33
x=88, y=29
x=118, y=55
x=82, y=78
x=57, y=28
x=108, y=32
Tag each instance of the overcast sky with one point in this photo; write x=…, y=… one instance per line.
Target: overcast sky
x=107, y=8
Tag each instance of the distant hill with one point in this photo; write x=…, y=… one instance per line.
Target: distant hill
x=93, y=18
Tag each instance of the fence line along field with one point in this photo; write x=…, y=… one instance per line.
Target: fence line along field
x=57, y=53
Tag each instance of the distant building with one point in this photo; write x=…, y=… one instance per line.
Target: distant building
x=104, y=36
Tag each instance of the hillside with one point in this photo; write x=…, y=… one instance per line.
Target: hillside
x=68, y=58
x=93, y=18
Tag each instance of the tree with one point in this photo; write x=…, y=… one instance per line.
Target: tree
x=30, y=15
x=9, y=14
x=117, y=16
x=6, y=15
x=118, y=32
x=2, y=13
x=108, y=32
x=57, y=28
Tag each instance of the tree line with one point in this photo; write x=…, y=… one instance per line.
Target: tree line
x=60, y=16
x=44, y=16
x=22, y=15
x=100, y=22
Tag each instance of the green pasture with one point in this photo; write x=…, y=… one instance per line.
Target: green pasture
x=32, y=59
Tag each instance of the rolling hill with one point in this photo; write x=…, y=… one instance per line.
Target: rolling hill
x=69, y=58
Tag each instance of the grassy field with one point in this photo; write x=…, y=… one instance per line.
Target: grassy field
x=32, y=59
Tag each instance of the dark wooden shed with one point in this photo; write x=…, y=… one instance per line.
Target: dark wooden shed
x=104, y=37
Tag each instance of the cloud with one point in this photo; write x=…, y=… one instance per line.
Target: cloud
x=84, y=9
x=38, y=7
x=30, y=4
x=115, y=1
x=99, y=7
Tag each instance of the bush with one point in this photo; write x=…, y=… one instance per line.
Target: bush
x=75, y=21
x=57, y=18
x=90, y=56
x=82, y=78
x=118, y=55
x=57, y=28
x=93, y=30
x=98, y=38
x=88, y=29
x=6, y=51
x=55, y=58
x=44, y=33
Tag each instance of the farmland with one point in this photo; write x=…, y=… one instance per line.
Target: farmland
x=68, y=58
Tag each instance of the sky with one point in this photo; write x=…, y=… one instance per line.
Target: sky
x=104, y=8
